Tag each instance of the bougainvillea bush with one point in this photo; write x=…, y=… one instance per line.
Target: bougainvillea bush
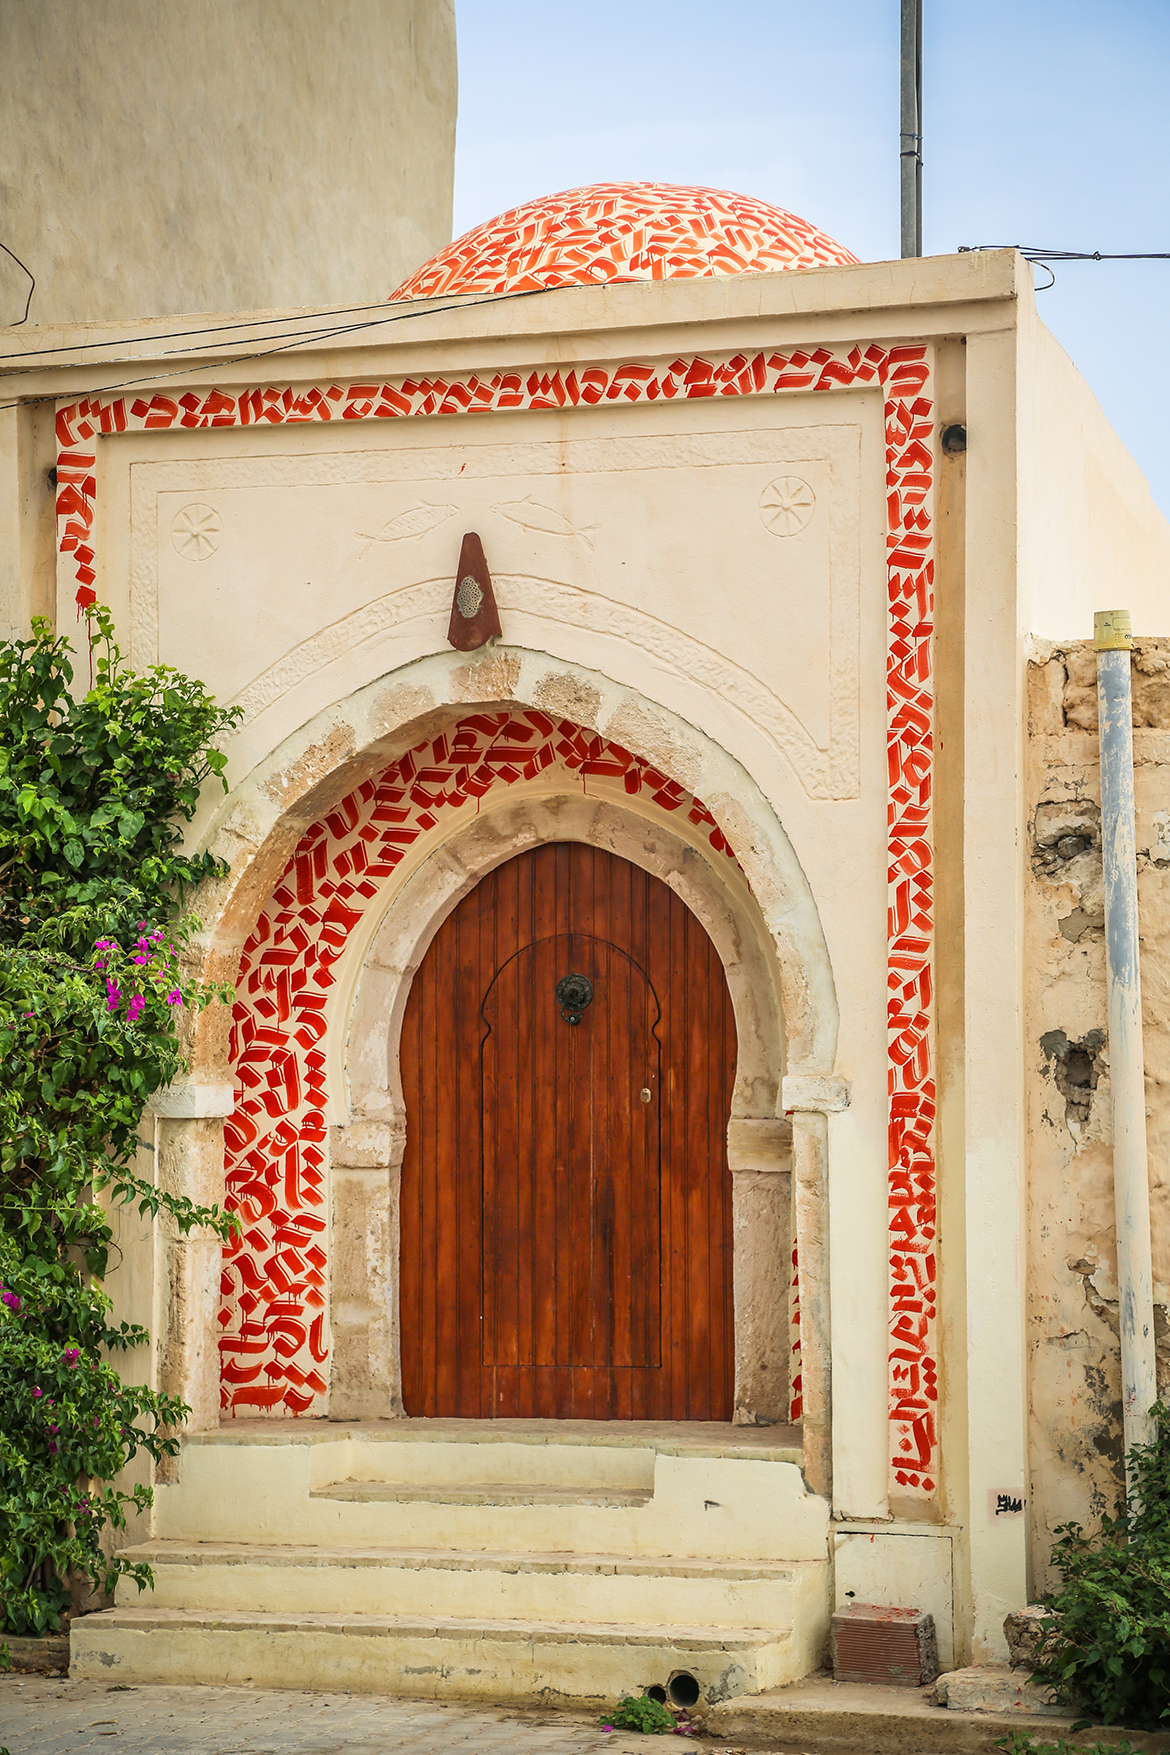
x=95, y=787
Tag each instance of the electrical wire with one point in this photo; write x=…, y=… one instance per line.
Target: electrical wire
x=32, y=284
x=1043, y=258
x=36, y=353
x=29, y=356
x=1035, y=253
x=299, y=337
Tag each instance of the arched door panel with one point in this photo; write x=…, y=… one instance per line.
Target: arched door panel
x=566, y=1209
x=571, y=1171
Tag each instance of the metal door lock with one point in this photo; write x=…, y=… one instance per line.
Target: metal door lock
x=644, y=1093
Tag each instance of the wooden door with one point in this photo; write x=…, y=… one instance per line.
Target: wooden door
x=566, y=1203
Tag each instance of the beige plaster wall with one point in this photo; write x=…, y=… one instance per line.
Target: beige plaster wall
x=984, y=1266
x=199, y=155
x=1090, y=536
x=1073, y=1346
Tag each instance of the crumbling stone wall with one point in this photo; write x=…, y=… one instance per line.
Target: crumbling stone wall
x=1074, y=1363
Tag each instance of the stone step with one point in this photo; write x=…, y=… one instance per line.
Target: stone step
x=349, y=1488
x=428, y=1657
x=545, y=1453
x=211, y=1577
x=483, y=1493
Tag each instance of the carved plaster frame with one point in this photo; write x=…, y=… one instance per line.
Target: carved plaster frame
x=366, y=1154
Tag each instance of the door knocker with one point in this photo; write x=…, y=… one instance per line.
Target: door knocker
x=574, y=993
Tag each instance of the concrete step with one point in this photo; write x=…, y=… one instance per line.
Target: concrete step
x=210, y=1577
x=638, y=1493
x=866, y=1718
x=489, y=1493
x=432, y=1657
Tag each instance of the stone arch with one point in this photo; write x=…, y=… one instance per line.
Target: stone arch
x=269, y=816
x=256, y=829
x=367, y=1151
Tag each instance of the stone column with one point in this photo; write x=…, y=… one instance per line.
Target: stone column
x=366, y=1165
x=189, y=1144
x=759, y=1155
x=809, y=1099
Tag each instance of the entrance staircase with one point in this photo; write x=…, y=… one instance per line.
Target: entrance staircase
x=553, y=1561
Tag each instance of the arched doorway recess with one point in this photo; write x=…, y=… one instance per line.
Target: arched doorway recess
x=568, y=1061
x=309, y=1314
x=758, y=908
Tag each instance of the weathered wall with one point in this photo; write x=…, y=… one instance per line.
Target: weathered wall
x=196, y=155
x=1075, y=1394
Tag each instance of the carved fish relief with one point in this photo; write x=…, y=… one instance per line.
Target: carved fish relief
x=533, y=516
x=415, y=521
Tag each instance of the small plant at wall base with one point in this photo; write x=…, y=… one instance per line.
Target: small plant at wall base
x=638, y=1713
x=1108, y=1652
x=93, y=795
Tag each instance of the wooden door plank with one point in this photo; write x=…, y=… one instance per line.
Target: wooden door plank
x=723, y=1081
x=457, y=1100
x=697, y=1236
x=410, y=1194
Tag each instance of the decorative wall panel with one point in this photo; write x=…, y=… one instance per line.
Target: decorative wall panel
x=903, y=373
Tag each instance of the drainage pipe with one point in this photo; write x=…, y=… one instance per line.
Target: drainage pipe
x=1131, y=1183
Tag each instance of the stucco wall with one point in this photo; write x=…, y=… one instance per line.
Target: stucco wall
x=1075, y=1393
x=1089, y=531
x=196, y=155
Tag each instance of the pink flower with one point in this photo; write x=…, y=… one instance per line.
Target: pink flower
x=71, y=1356
x=12, y=1301
x=174, y=997
x=38, y=1392
x=134, y=1008
x=114, y=993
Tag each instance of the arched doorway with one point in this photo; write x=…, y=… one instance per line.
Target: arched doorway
x=566, y=1240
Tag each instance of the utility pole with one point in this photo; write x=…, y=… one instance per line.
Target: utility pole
x=911, y=140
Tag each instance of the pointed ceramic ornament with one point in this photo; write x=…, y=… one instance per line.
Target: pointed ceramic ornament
x=474, y=616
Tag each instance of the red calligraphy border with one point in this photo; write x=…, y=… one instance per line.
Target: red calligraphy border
x=903, y=373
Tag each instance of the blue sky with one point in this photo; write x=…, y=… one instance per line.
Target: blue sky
x=1044, y=123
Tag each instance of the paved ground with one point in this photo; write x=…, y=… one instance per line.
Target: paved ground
x=41, y=1716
